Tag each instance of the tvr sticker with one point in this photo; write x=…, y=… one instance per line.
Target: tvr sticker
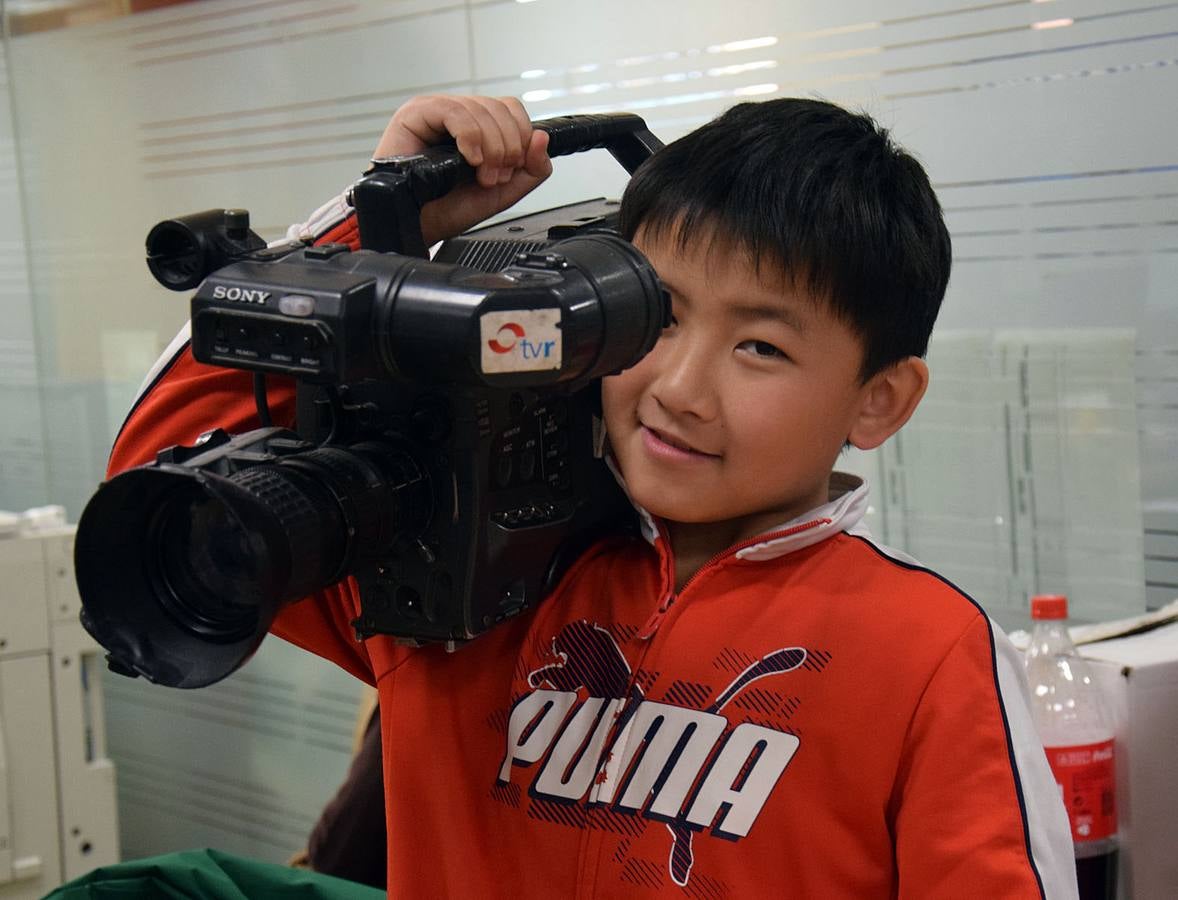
x=522, y=340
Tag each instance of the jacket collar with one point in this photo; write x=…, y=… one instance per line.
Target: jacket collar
x=843, y=511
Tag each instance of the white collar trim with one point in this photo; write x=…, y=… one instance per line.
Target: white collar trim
x=843, y=512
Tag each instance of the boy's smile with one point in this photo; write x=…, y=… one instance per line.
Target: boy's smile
x=732, y=423
x=665, y=445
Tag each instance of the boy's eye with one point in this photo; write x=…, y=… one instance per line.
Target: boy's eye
x=763, y=349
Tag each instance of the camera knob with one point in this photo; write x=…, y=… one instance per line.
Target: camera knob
x=237, y=223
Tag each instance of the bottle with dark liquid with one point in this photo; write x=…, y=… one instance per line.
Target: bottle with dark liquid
x=1077, y=732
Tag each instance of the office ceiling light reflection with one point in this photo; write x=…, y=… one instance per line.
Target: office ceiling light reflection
x=540, y=95
x=754, y=89
x=743, y=67
x=1053, y=23
x=650, y=58
x=747, y=44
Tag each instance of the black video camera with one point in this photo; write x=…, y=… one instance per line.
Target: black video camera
x=446, y=452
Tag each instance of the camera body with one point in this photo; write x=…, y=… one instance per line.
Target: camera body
x=509, y=456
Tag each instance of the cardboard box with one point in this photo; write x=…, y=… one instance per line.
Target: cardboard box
x=1139, y=675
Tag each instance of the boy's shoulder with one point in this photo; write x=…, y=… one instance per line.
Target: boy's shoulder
x=860, y=548
x=876, y=588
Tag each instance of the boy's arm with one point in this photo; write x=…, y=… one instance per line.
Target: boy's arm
x=183, y=398
x=976, y=812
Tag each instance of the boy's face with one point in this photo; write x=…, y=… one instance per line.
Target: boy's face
x=736, y=417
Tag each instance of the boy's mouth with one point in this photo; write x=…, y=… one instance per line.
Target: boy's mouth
x=674, y=442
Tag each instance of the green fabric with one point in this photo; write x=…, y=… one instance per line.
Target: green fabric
x=204, y=874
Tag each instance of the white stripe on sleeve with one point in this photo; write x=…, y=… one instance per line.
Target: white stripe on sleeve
x=1047, y=821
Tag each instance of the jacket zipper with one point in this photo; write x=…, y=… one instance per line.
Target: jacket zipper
x=656, y=618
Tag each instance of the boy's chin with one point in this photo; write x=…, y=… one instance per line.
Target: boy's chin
x=687, y=512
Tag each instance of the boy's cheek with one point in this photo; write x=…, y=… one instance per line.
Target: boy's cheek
x=609, y=397
x=617, y=401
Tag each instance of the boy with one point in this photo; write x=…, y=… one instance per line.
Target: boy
x=752, y=698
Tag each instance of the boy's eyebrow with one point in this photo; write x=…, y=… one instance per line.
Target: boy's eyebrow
x=776, y=312
x=752, y=311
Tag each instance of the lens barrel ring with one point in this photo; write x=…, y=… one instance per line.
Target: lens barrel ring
x=306, y=516
x=380, y=489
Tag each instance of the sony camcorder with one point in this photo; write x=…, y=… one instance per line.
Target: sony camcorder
x=447, y=444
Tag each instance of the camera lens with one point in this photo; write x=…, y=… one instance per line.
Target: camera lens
x=206, y=567
x=182, y=570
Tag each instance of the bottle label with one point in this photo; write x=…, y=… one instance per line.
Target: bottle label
x=1087, y=782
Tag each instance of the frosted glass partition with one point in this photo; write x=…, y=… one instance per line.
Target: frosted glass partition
x=245, y=765
x=1020, y=471
x=22, y=429
x=1044, y=456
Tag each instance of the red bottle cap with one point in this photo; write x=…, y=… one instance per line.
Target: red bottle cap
x=1049, y=606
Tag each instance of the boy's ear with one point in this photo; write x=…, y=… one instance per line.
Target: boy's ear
x=889, y=399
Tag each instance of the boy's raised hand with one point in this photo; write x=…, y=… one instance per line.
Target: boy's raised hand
x=493, y=134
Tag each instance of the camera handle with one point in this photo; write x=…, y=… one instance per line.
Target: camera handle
x=388, y=199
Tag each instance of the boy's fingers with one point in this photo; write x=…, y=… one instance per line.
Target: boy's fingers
x=426, y=121
x=492, y=134
x=478, y=138
x=417, y=124
x=508, y=152
x=527, y=179
x=537, y=164
x=523, y=123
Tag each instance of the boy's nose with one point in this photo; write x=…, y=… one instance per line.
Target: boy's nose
x=685, y=383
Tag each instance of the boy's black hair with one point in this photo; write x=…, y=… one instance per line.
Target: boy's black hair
x=821, y=193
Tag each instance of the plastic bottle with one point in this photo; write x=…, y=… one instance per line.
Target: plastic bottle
x=1076, y=728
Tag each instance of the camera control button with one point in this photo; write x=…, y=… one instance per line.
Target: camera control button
x=299, y=305
x=325, y=251
x=553, y=262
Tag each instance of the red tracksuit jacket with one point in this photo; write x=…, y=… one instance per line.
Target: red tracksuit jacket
x=811, y=716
